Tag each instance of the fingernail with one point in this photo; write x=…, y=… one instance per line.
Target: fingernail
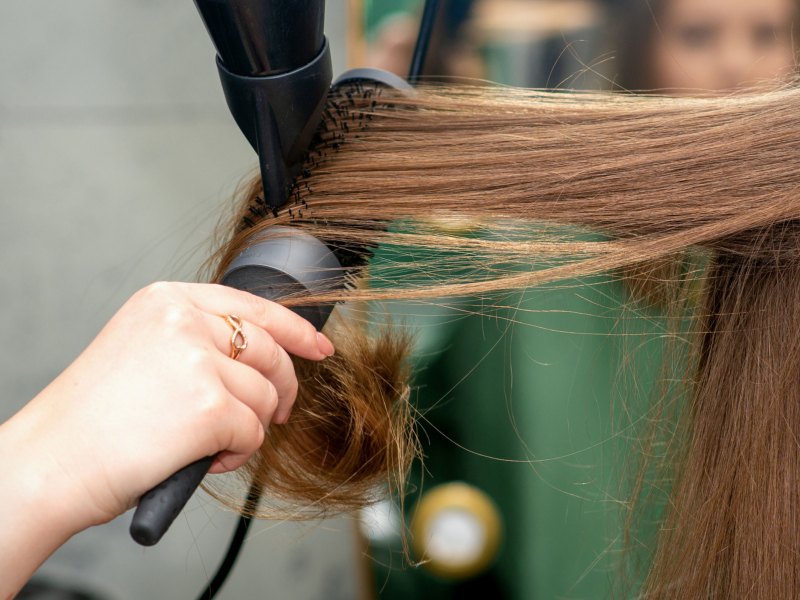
x=324, y=344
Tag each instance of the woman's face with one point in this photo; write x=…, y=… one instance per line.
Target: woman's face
x=722, y=44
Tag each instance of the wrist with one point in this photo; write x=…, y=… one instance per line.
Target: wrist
x=38, y=510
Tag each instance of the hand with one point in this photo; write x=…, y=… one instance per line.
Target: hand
x=155, y=391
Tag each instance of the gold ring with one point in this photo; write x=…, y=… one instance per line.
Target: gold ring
x=238, y=338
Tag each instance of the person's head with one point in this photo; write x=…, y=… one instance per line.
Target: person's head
x=685, y=46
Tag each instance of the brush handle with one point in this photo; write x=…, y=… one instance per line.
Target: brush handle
x=159, y=507
x=281, y=262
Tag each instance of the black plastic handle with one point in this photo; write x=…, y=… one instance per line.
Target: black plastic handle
x=158, y=508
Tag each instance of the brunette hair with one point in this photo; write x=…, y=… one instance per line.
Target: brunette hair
x=710, y=184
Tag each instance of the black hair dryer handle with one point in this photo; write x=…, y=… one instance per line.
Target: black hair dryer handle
x=283, y=262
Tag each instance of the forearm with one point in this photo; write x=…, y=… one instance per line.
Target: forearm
x=36, y=514
x=155, y=391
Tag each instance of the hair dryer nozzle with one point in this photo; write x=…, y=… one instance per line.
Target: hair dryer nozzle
x=275, y=67
x=279, y=116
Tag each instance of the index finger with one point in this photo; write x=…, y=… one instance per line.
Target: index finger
x=291, y=331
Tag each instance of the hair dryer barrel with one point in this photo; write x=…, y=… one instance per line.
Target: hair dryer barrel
x=264, y=37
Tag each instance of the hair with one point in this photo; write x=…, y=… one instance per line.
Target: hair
x=708, y=184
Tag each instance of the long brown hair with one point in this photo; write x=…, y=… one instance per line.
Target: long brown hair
x=653, y=179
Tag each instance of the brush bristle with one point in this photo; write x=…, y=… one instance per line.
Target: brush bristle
x=347, y=115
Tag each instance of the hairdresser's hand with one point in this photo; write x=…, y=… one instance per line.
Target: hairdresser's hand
x=155, y=391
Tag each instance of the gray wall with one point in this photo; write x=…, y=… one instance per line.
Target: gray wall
x=117, y=155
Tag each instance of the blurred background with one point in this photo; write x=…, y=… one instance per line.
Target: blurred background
x=117, y=157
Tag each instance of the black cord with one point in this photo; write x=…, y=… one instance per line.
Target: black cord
x=423, y=40
x=253, y=497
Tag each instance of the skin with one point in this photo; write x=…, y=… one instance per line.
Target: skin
x=394, y=45
x=155, y=391
x=721, y=45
